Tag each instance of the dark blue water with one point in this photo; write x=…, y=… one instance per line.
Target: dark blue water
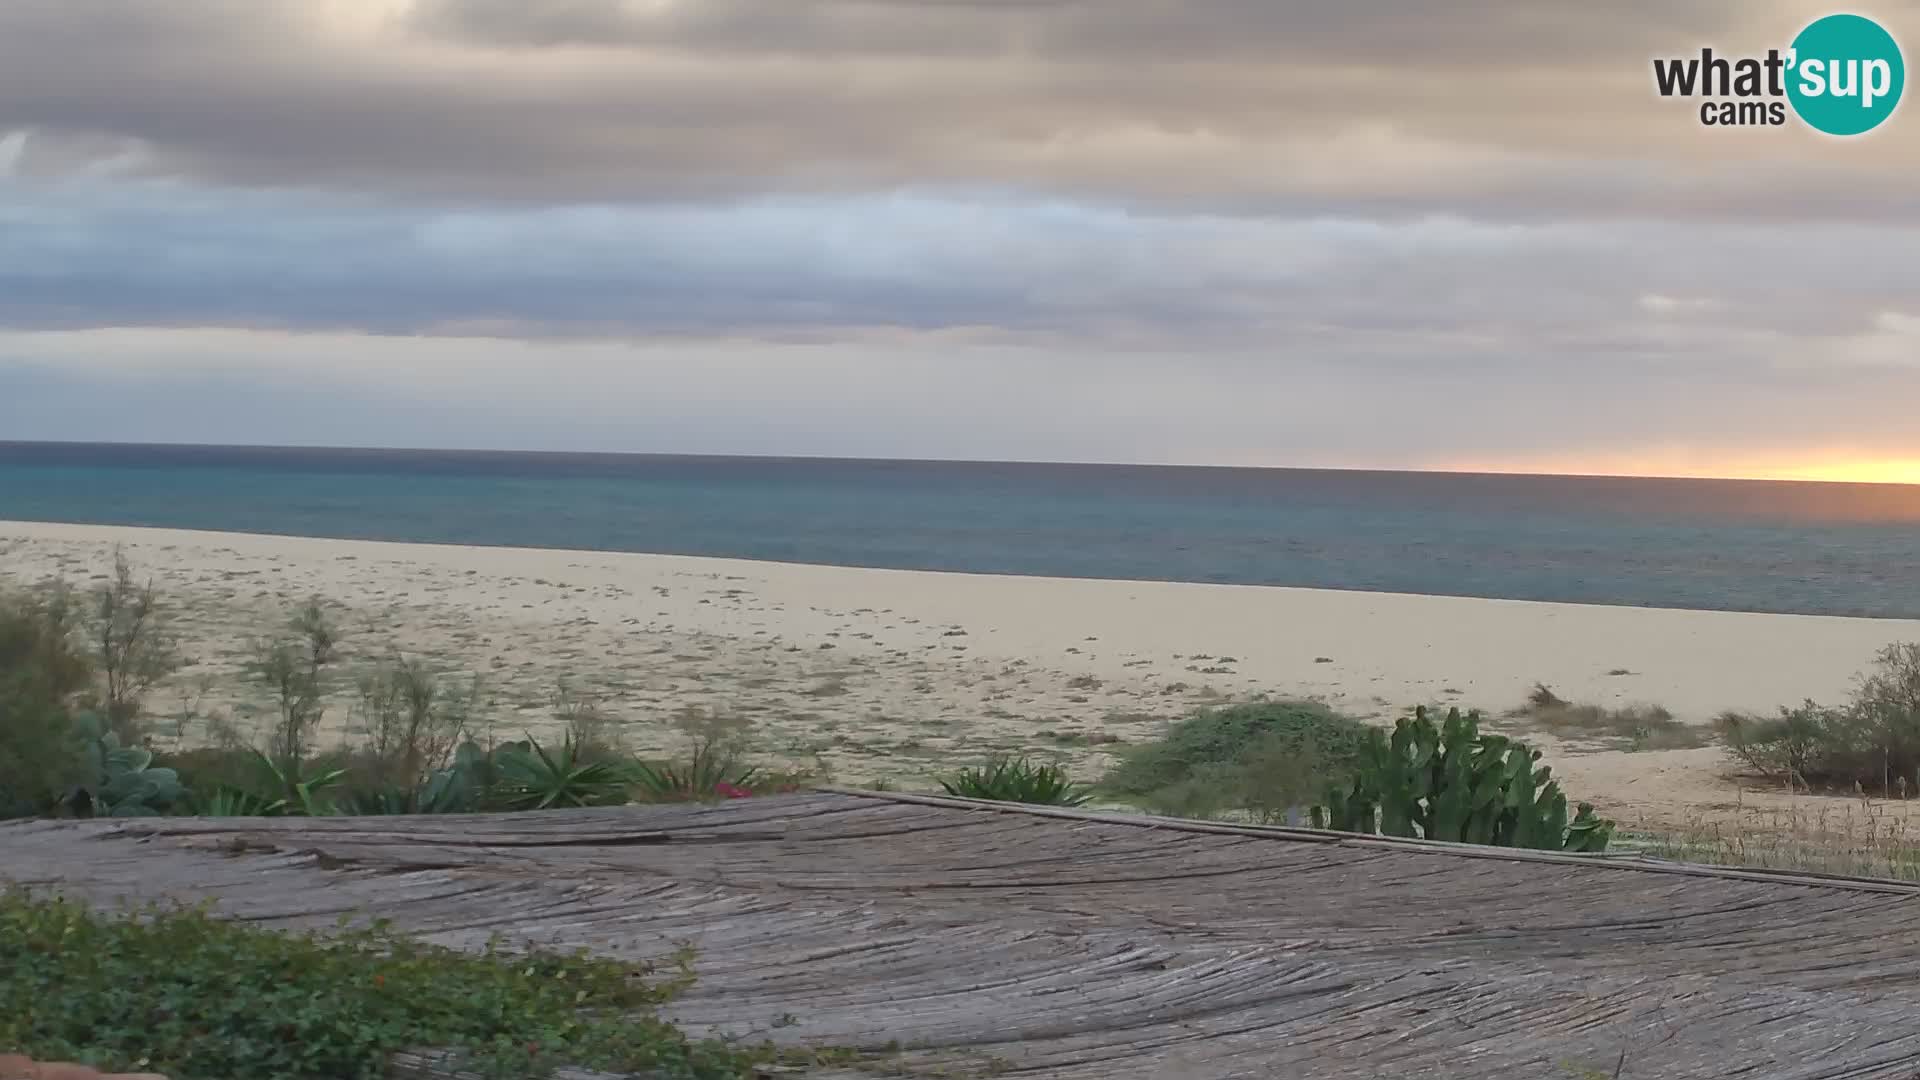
x=1842, y=549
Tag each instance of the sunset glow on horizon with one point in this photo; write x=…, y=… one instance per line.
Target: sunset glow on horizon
x=1833, y=470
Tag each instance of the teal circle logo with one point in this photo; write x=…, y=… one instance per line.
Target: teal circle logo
x=1846, y=74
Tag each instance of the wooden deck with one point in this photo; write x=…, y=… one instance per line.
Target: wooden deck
x=991, y=940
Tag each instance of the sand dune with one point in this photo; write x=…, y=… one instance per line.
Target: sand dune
x=882, y=673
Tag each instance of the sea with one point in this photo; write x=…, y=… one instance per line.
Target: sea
x=1739, y=545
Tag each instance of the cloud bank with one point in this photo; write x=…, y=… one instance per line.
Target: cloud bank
x=1241, y=230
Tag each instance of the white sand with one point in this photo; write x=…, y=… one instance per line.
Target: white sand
x=896, y=673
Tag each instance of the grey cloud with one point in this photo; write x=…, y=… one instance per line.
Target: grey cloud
x=1517, y=110
x=120, y=252
x=1078, y=31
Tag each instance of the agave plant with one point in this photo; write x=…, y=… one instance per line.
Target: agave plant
x=279, y=791
x=232, y=802
x=460, y=787
x=451, y=790
x=708, y=773
x=531, y=777
x=1017, y=780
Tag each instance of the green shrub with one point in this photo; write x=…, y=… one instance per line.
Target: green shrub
x=1787, y=747
x=179, y=992
x=1450, y=782
x=1260, y=758
x=42, y=674
x=1273, y=781
x=206, y=769
x=1872, y=742
x=1019, y=780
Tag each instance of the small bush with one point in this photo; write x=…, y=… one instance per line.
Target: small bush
x=42, y=673
x=182, y=993
x=1633, y=727
x=294, y=668
x=1872, y=742
x=1787, y=747
x=1260, y=758
x=131, y=647
x=413, y=720
x=595, y=733
x=712, y=766
x=1016, y=780
x=206, y=769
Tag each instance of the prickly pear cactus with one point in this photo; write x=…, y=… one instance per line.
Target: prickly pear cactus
x=1448, y=781
x=124, y=782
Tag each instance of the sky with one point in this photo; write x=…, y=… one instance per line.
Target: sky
x=1365, y=234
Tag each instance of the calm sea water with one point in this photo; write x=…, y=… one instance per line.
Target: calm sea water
x=1842, y=549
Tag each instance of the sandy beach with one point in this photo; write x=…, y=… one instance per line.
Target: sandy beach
x=895, y=674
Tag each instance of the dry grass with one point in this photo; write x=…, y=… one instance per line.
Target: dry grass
x=1852, y=837
x=1632, y=727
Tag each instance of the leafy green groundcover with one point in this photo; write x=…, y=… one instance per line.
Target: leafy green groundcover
x=180, y=992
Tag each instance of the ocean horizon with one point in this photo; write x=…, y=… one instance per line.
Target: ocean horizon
x=1799, y=547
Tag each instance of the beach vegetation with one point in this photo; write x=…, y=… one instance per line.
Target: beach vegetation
x=1629, y=727
x=1870, y=743
x=529, y=776
x=1856, y=837
x=116, y=780
x=130, y=644
x=1450, y=781
x=1267, y=760
x=585, y=719
x=1017, y=779
x=412, y=720
x=42, y=673
x=177, y=991
x=520, y=775
x=295, y=667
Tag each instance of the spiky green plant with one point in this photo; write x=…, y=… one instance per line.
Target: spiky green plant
x=1010, y=779
x=232, y=802
x=532, y=777
x=709, y=772
x=278, y=790
x=1451, y=782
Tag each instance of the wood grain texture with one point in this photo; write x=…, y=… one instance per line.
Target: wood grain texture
x=1067, y=945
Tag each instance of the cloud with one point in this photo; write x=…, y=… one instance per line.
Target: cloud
x=925, y=398
x=1662, y=304
x=113, y=251
x=12, y=146
x=1241, y=230
x=1509, y=109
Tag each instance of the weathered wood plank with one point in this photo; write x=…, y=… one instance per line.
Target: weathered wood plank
x=1091, y=946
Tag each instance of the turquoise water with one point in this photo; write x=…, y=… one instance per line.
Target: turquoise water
x=1843, y=549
